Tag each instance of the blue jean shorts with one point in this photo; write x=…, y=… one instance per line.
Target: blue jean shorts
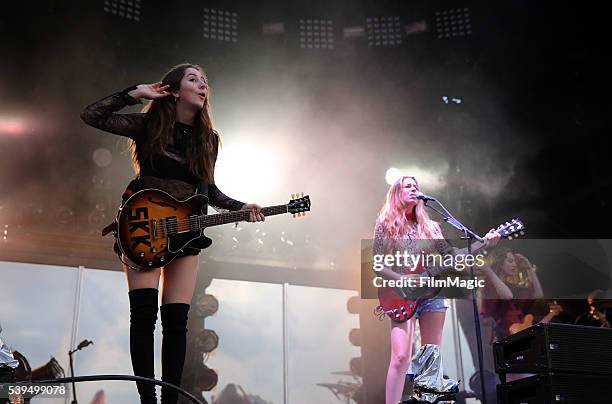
x=437, y=304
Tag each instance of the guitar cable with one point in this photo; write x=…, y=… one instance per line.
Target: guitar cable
x=190, y=396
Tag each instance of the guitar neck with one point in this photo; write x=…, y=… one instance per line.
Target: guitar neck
x=238, y=216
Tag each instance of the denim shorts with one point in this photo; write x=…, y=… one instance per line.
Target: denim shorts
x=437, y=304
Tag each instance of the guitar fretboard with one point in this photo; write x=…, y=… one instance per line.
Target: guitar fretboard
x=238, y=216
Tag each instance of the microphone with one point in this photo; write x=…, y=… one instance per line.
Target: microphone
x=84, y=343
x=424, y=197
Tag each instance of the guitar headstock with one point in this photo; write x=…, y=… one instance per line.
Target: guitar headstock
x=299, y=205
x=513, y=228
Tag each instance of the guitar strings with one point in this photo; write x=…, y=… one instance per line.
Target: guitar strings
x=167, y=226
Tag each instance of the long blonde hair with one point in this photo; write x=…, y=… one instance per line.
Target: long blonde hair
x=393, y=219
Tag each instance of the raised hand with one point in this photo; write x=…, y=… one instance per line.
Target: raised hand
x=523, y=262
x=151, y=91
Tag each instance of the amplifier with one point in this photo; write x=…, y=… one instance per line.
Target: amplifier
x=556, y=388
x=553, y=347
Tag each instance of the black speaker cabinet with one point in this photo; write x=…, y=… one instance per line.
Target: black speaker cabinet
x=550, y=347
x=557, y=388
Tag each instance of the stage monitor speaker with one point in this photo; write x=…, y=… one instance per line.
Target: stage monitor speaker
x=556, y=388
x=550, y=347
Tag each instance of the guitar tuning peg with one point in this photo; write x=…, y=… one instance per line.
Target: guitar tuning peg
x=509, y=237
x=292, y=196
x=302, y=194
x=522, y=233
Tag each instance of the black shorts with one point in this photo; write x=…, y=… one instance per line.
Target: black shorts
x=176, y=188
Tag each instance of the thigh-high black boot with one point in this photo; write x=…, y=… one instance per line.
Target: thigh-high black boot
x=143, y=315
x=174, y=330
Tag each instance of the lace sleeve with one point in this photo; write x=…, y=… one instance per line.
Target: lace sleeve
x=378, y=247
x=101, y=115
x=220, y=200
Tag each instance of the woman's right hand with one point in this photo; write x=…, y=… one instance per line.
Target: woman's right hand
x=150, y=91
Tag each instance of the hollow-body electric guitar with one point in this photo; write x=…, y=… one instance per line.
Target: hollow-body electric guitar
x=400, y=304
x=153, y=226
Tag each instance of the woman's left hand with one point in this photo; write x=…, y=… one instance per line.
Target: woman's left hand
x=492, y=238
x=256, y=215
x=523, y=262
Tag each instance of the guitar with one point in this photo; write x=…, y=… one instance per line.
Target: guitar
x=528, y=320
x=400, y=304
x=153, y=226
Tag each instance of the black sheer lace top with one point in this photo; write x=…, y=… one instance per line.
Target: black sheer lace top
x=173, y=163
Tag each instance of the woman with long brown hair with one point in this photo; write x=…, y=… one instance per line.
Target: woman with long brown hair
x=174, y=147
x=404, y=225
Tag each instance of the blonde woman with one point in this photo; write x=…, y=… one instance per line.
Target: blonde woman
x=403, y=223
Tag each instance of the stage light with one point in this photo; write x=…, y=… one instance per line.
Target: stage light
x=354, y=32
x=453, y=23
x=276, y=28
x=316, y=34
x=129, y=9
x=64, y=216
x=392, y=175
x=416, y=27
x=384, y=31
x=220, y=25
x=12, y=126
x=102, y=157
x=243, y=163
x=206, y=341
x=453, y=100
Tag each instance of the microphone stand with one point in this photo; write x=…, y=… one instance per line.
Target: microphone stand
x=468, y=235
x=82, y=345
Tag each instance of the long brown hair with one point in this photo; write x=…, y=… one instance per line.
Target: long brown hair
x=160, y=128
x=498, y=257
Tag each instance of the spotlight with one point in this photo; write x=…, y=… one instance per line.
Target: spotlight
x=276, y=28
x=316, y=34
x=129, y=9
x=220, y=25
x=453, y=23
x=384, y=31
x=64, y=216
x=102, y=157
x=354, y=32
x=453, y=100
x=392, y=175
